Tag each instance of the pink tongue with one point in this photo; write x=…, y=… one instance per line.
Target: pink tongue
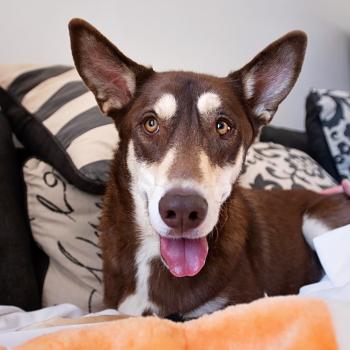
x=184, y=257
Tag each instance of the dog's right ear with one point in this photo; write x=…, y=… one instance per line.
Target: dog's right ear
x=108, y=73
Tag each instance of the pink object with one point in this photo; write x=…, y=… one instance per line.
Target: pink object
x=184, y=257
x=343, y=188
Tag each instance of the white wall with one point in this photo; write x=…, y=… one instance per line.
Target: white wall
x=214, y=36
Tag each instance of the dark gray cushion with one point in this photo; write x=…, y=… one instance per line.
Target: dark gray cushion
x=18, y=281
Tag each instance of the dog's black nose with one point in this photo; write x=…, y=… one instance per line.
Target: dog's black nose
x=182, y=210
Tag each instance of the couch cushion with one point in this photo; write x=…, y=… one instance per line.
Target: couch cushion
x=64, y=222
x=328, y=128
x=270, y=165
x=18, y=282
x=54, y=115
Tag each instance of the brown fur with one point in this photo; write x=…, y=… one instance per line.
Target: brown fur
x=257, y=246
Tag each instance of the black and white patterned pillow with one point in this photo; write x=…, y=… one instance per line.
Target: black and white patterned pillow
x=54, y=116
x=333, y=112
x=273, y=166
x=64, y=223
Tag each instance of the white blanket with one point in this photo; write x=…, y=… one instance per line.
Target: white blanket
x=13, y=320
x=333, y=250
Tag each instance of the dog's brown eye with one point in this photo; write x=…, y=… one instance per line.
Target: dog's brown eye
x=151, y=125
x=222, y=127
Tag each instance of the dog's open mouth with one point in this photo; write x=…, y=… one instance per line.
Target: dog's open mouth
x=183, y=256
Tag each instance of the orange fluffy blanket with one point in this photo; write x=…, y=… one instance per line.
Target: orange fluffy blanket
x=271, y=323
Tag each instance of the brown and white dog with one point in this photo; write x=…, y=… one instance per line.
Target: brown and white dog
x=178, y=233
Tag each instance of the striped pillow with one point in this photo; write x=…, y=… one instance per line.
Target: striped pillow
x=57, y=119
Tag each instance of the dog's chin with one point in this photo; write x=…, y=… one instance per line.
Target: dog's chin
x=184, y=255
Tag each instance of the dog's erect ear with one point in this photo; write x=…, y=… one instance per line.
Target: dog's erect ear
x=266, y=80
x=108, y=73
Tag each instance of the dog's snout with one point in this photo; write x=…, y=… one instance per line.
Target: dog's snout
x=183, y=211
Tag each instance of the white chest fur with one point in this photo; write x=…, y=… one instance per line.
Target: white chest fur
x=138, y=302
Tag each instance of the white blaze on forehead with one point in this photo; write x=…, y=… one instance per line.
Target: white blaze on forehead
x=166, y=106
x=208, y=102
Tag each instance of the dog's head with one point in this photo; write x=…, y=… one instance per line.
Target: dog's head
x=186, y=134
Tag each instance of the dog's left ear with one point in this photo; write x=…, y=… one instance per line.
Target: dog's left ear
x=108, y=73
x=267, y=80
